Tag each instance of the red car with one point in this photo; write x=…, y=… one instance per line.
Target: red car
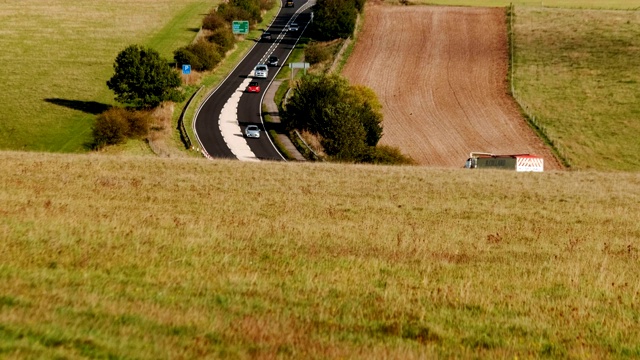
x=253, y=87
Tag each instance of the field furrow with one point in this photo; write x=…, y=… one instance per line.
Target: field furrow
x=440, y=74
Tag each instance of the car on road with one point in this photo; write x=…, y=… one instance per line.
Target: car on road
x=266, y=35
x=261, y=71
x=254, y=86
x=288, y=3
x=272, y=61
x=293, y=27
x=252, y=131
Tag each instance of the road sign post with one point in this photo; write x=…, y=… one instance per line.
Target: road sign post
x=299, y=65
x=186, y=70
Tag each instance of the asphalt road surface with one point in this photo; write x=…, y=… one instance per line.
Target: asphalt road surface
x=222, y=117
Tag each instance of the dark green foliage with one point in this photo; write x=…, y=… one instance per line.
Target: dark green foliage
x=311, y=97
x=201, y=55
x=115, y=125
x=315, y=53
x=371, y=121
x=224, y=38
x=230, y=13
x=343, y=137
x=386, y=155
x=360, y=5
x=346, y=118
x=214, y=21
x=334, y=19
x=252, y=7
x=366, y=101
x=184, y=55
x=143, y=79
x=208, y=53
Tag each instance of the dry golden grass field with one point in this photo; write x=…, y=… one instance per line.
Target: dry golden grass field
x=125, y=257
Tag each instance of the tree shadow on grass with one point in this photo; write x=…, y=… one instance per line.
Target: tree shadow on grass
x=91, y=107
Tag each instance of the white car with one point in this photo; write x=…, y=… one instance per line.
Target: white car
x=252, y=131
x=261, y=71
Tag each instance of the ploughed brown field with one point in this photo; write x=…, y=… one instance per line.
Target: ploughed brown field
x=441, y=76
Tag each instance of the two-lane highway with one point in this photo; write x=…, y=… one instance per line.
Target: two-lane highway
x=221, y=119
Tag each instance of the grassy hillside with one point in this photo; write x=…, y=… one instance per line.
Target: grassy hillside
x=579, y=4
x=577, y=72
x=108, y=256
x=58, y=54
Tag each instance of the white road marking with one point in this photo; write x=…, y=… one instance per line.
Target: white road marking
x=230, y=127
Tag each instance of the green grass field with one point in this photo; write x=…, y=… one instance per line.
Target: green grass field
x=148, y=258
x=577, y=72
x=575, y=4
x=58, y=54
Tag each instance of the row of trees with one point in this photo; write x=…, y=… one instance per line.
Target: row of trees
x=209, y=50
x=143, y=79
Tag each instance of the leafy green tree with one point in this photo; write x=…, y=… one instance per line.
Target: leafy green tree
x=369, y=112
x=143, y=79
x=346, y=118
x=312, y=95
x=333, y=19
x=344, y=137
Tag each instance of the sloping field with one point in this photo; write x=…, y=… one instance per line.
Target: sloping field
x=58, y=55
x=117, y=257
x=440, y=74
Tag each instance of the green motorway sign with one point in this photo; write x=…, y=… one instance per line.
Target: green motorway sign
x=240, y=27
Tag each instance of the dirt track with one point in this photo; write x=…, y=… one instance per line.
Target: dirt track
x=440, y=74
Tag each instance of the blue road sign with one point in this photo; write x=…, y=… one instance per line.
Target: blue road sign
x=186, y=69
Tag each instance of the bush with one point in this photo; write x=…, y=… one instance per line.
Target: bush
x=214, y=21
x=111, y=128
x=230, y=13
x=387, y=155
x=252, y=7
x=208, y=53
x=315, y=53
x=138, y=124
x=115, y=125
x=224, y=38
x=184, y=55
x=202, y=55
